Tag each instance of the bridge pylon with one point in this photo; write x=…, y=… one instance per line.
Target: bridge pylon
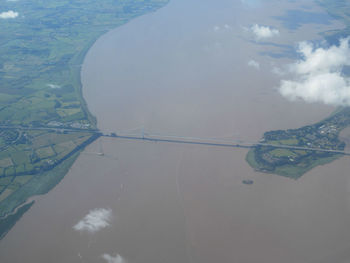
x=100, y=150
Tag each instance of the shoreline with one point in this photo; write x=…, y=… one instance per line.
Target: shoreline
x=13, y=203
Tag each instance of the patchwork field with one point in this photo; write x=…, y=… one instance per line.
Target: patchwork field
x=294, y=163
x=42, y=49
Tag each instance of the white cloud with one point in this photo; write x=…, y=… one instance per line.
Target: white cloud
x=224, y=27
x=95, y=220
x=111, y=259
x=262, y=32
x=254, y=64
x=53, y=86
x=318, y=75
x=277, y=71
x=8, y=14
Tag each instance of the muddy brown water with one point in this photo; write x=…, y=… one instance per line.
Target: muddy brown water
x=183, y=71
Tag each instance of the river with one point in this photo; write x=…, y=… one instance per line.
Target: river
x=183, y=70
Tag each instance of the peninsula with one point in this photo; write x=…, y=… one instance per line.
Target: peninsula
x=295, y=159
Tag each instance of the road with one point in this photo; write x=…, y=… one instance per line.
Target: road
x=215, y=142
x=157, y=137
x=56, y=129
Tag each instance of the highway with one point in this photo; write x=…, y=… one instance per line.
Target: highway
x=214, y=142
x=158, y=137
x=49, y=128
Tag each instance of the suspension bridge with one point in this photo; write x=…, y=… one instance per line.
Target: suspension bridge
x=141, y=135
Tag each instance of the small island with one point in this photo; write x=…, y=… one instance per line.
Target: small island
x=293, y=152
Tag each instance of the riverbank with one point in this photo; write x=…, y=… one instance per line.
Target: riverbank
x=177, y=71
x=293, y=163
x=41, y=87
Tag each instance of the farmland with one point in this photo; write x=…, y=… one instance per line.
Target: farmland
x=294, y=163
x=42, y=49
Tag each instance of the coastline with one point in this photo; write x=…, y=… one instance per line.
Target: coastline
x=17, y=203
x=172, y=201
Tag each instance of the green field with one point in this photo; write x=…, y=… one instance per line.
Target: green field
x=294, y=163
x=41, y=54
x=10, y=221
x=42, y=50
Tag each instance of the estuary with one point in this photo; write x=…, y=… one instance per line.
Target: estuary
x=187, y=70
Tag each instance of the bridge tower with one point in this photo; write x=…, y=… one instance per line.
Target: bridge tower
x=100, y=150
x=143, y=132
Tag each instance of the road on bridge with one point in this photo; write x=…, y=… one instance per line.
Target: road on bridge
x=213, y=142
x=176, y=139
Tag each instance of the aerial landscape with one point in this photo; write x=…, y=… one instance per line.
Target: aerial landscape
x=293, y=152
x=44, y=119
x=174, y=131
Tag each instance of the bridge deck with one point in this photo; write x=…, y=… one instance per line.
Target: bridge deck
x=215, y=142
x=177, y=139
